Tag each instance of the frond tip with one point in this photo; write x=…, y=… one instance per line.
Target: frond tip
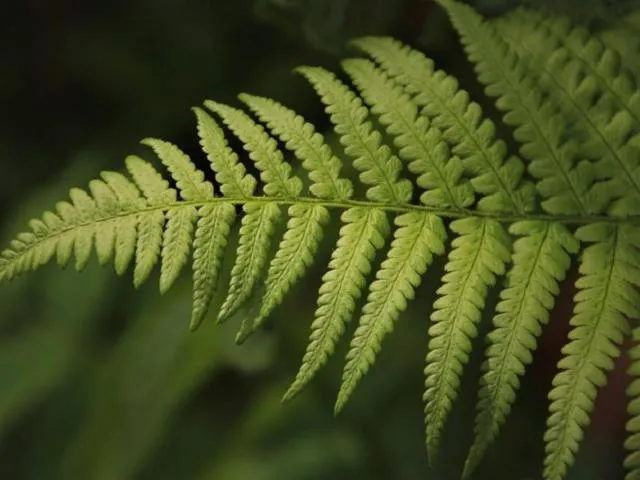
x=416, y=163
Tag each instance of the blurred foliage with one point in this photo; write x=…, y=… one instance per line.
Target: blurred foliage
x=328, y=24
x=98, y=381
x=600, y=11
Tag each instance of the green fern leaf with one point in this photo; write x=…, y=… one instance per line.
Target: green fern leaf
x=598, y=328
x=601, y=63
x=574, y=109
x=279, y=181
x=540, y=261
x=480, y=252
x=567, y=190
x=256, y=231
x=106, y=201
x=363, y=232
x=308, y=145
x=263, y=150
x=623, y=39
x=150, y=226
x=304, y=230
x=128, y=199
x=64, y=250
x=212, y=232
x=461, y=122
x=539, y=125
x=189, y=180
x=603, y=129
x=420, y=143
x=125, y=193
x=77, y=225
x=180, y=221
x=418, y=237
x=84, y=207
x=294, y=256
x=379, y=167
x=176, y=244
x=230, y=173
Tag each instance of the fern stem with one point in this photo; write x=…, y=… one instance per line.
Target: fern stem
x=451, y=213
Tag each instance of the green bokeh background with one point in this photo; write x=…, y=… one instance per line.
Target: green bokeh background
x=102, y=382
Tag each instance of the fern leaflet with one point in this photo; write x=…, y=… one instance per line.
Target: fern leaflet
x=479, y=253
x=418, y=237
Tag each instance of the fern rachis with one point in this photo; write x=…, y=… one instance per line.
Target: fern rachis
x=513, y=224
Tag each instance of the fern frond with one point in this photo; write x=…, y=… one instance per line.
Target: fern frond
x=189, y=181
x=377, y=164
x=363, y=232
x=84, y=209
x=109, y=203
x=256, y=233
x=632, y=443
x=602, y=128
x=259, y=222
x=461, y=122
x=214, y=222
x=304, y=230
x=574, y=108
x=382, y=170
x=603, y=63
x=180, y=221
x=575, y=388
x=615, y=94
x=540, y=261
x=116, y=192
x=419, y=143
x=539, y=125
x=607, y=293
x=572, y=190
x=229, y=172
x=124, y=235
x=480, y=252
x=600, y=63
x=176, y=243
x=263, y=150
x=294, y=255
x=212, y=232
x=150, y=227
x=308, y=145
x=418, y=237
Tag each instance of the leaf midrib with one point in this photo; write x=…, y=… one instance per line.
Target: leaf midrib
x=453, y=213
x=344, y=205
